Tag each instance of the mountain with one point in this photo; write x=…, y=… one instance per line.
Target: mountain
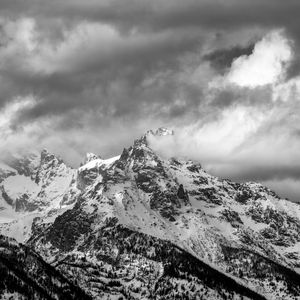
x=32, y=186
x=140, y=226
x=24, y=275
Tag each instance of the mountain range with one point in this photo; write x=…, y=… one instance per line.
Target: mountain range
x=142, y=226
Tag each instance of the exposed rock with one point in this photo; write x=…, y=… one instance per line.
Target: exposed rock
x=231, y=217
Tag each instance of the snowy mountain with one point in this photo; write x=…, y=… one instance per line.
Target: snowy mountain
x=140, y=226
x=30, y=187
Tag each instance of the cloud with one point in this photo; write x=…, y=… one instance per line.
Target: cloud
x=244, y=143
x=167, y=13
x=285, y=188
x=265, y=65
x=10, y=112
x=222, y=59
x=288, y=90
x=215, y=140
x=93, y=62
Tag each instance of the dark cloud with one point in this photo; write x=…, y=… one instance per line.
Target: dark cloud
x=169, y=30
x=172, y=13
x=221, y=59
x=158, y=15
x=110, y=79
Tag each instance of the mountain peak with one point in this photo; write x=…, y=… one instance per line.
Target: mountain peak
x=46, y=157
x=164, y=131
x=90, y=157
x=161, y=131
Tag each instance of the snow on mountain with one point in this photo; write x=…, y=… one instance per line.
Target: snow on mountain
x=32, y=186
x=98, y=163
x=17, y=186
x=131, y=219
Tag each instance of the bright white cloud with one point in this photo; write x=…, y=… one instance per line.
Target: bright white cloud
x=265, y=65
x=213, y=141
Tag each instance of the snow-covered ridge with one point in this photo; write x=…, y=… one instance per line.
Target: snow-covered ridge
x=98, y=162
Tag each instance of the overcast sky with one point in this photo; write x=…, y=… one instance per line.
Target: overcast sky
x=90, y=76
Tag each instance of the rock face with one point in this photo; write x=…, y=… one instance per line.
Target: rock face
x=138, y=226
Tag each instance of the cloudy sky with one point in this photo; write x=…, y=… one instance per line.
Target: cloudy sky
x=79, y=76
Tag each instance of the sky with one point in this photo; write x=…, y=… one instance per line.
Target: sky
x=91, y=76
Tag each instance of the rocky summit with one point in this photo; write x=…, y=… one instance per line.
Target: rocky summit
x=140, y=226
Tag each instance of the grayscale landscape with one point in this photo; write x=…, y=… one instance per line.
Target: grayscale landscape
x=149, y=149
